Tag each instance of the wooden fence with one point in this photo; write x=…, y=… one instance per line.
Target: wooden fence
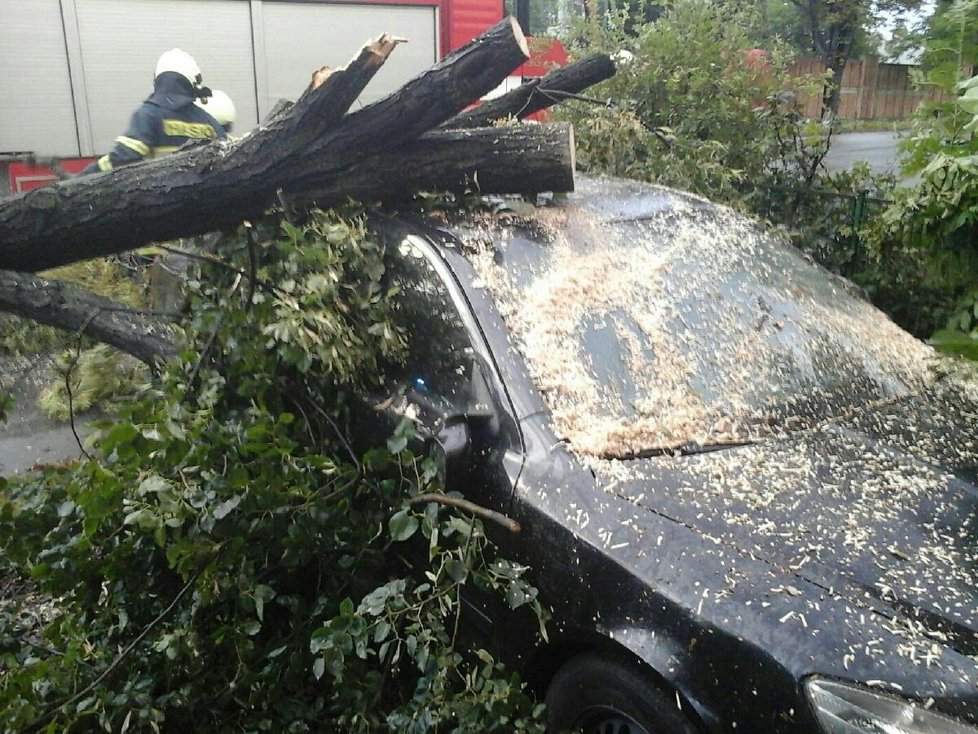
x=870, y=90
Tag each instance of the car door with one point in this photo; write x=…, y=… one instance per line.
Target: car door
x=445, y=382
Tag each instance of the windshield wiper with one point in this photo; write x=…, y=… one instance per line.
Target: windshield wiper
x=689, y=448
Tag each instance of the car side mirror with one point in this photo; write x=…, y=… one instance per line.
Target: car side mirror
x=454, y=441
x=451, y=449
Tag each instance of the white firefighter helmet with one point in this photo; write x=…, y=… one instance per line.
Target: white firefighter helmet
x=220, y=106
x=180, y=62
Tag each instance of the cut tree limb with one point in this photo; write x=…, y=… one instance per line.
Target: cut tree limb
x=71, y=308
x=204, y=189
x=538, y=94
x=517, y=159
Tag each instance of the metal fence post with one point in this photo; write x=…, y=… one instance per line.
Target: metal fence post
x=858, y=210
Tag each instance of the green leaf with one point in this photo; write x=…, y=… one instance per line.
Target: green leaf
x=381, y=631
x=225, y=507
x=262, y=594
x=251, y=627
x=144, y=518
x=515, y=596
x=86, y=704
x=955, y=342
x=396, y=444
x=456, y=570
x=120, y=434
x=319, y=640
x=152, y=484
x=403, y=525
x=377, y=459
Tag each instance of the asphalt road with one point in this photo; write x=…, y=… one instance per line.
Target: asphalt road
x=879, y=149
x=25, y=447
x=28, y=438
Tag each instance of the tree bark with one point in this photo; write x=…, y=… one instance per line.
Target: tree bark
x=537, y=94
x=216, y=185
x=833, y=25
x=71, y=308
x=526, y=159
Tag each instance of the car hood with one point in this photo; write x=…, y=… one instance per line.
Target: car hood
x=880, y=507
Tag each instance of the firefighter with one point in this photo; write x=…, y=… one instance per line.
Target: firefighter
x=167, y=119
x=167, y=272
x=221, y=108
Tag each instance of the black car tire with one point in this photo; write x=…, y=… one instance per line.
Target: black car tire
x=601, y=694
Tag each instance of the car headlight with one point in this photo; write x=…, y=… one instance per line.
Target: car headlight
x=844, y=708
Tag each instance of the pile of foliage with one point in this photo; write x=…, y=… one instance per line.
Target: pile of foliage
x=224, y=562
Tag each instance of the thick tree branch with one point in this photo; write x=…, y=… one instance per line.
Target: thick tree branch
x=521, y=159
x=71, y=308
x=537, y=94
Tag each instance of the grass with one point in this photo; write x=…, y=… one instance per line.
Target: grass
x=872, y=126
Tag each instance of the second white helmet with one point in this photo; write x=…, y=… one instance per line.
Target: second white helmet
x=220, y=106
x=180, y=62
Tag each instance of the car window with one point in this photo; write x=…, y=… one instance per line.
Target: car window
x=437, y=363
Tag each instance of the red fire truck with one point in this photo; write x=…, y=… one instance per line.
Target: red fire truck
x=72, y=71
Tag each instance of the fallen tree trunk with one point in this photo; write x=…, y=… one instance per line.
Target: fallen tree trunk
x=537, y=94
x=74, y=309
x=491, y=160
x=526, y=159
x=203, y=189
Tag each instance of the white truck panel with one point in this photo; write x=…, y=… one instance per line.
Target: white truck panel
x=122, y=40
x=258, y=51
x=301, y=37
x=36, y=110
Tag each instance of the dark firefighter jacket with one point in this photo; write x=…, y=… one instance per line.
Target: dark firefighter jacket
x=165, y=121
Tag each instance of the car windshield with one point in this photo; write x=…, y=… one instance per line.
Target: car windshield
x=653, y=321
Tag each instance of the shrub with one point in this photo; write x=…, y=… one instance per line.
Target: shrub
x=694, y=107
x=226, y=563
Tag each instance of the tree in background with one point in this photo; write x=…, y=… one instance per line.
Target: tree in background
x=833, y=31
x=696, y=107
x=950, y=44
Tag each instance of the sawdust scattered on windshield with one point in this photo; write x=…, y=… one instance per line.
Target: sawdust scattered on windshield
x=673, y=322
